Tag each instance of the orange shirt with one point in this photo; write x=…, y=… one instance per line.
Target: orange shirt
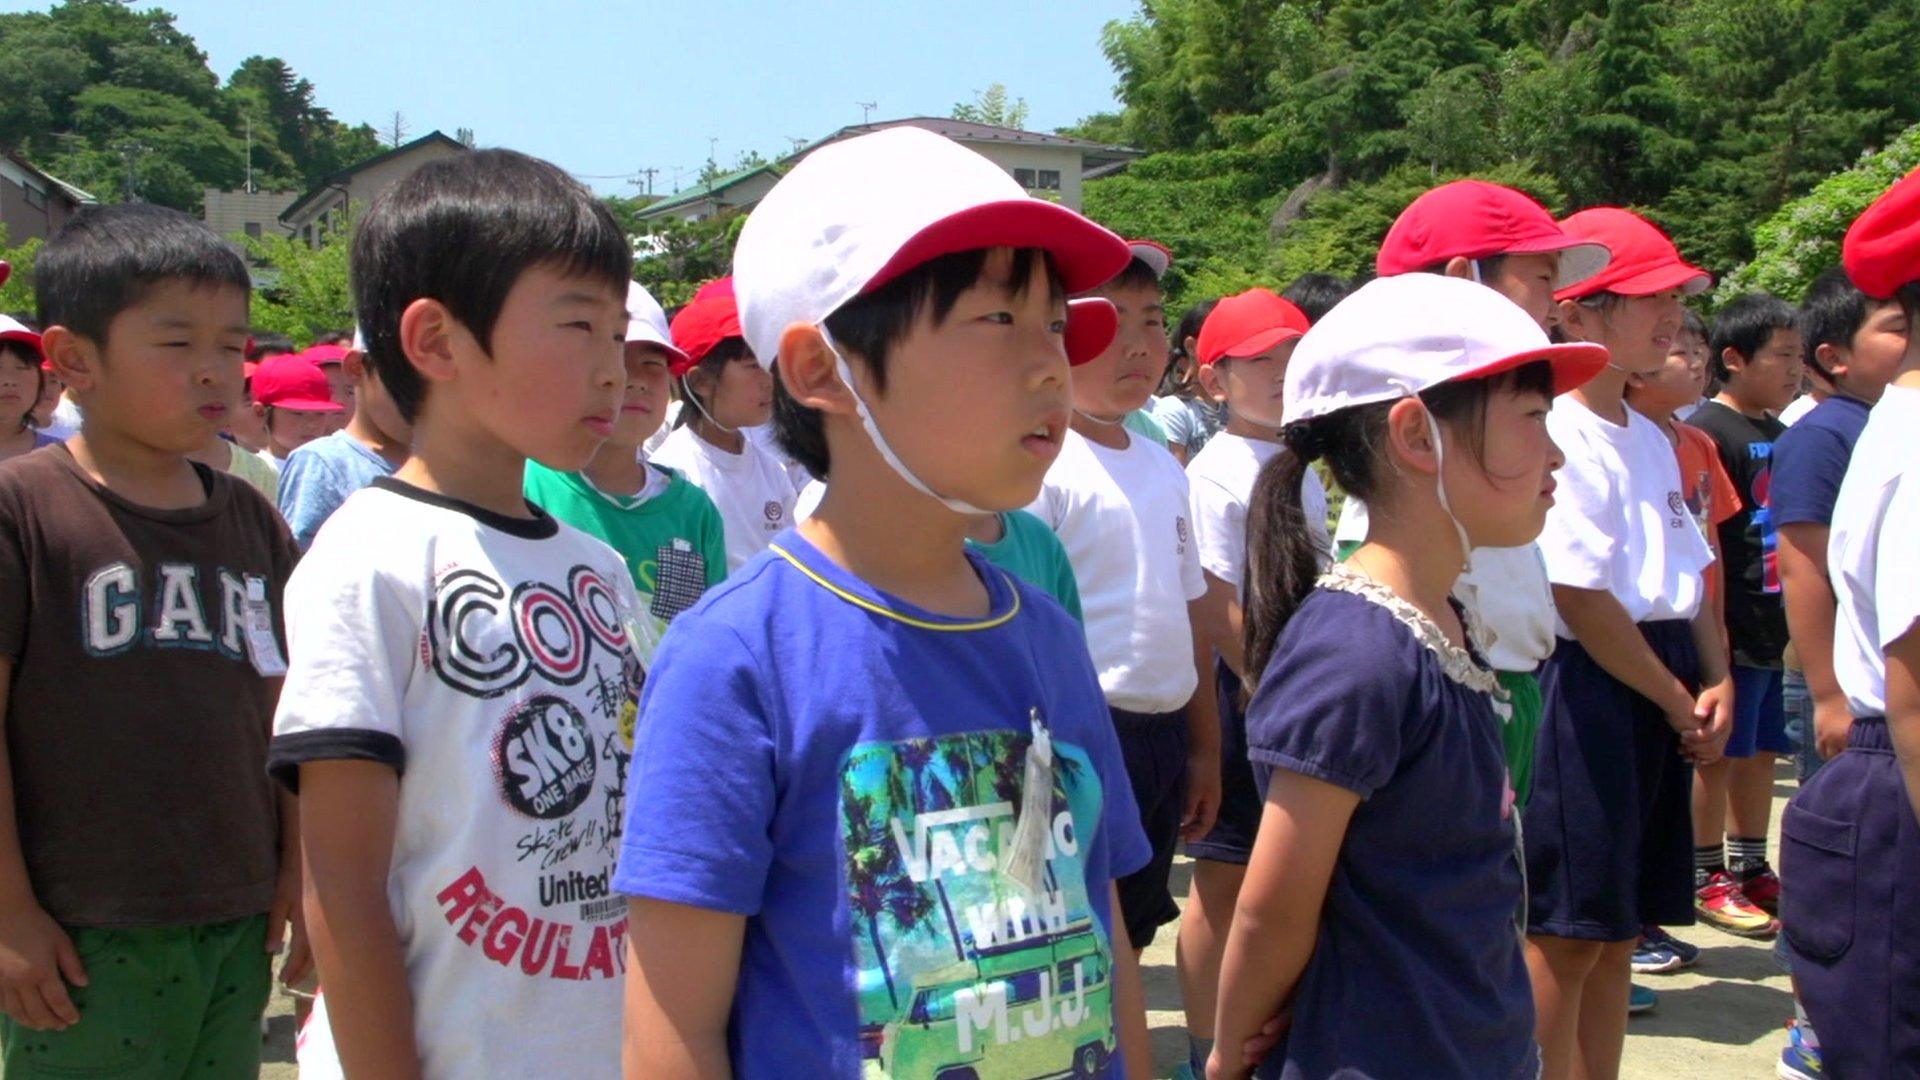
x=1708, y=491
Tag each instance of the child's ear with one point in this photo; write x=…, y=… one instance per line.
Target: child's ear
x=1410, y=435
x=1459, y=267
x=357, y=368
x=1573, y=319
x=1832, y=358
x=1731, y=360
x=427, y=338
x=807, y=370
x=1213, y=383
x=73, y=357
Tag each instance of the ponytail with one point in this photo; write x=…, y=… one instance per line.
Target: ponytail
x=1283, y=561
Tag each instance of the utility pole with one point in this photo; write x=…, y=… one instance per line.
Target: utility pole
x=648, y=172
x=866, y=111
x=249, y=188
x=130, y=154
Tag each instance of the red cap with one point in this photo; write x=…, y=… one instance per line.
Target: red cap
x=718, y=287
x=1092, y=322
x=705, y=322
x=6, y=271
x=1882, y=249
x=16, y=331
x=1473, y=219
x=1644, y=258
x=1249, y=324
x=326, y=354
x=1157, y=256
x=294, y=383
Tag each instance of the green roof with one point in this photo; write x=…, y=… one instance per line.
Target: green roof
x=704, y=191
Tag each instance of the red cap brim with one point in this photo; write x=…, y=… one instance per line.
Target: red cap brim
x=1574, y=364
x=307, y=405
x=1092, y=323
x=1255, y=345
x=28, y=338
x=1086, y=255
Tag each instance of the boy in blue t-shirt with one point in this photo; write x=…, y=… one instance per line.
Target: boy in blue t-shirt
x=876, y=806
x=319, y=475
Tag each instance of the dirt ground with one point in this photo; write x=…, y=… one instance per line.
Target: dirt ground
x=1720, y=1021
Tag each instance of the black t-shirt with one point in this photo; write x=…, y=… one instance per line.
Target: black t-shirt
x=1756, y=613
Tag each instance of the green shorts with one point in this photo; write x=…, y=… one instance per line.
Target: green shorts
x=1522, y=731
x=168, y=1002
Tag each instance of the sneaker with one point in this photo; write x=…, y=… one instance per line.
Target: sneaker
x=1762, y=888
x=1689, y=954
x=1722, y=905
x=1652, y=957
x=1801, y=1059
x=1641, y=1000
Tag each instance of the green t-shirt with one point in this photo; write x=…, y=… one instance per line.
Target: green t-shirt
x=672, y=542
x=1028, y=550
x=1142, y=423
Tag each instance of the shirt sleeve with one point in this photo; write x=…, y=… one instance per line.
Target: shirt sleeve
x=1192, y=580
x=1335, y=698
x=1219, y=529
x=309, y=494
x=711, y=534
x=352, y=637
x=1172, y=414
x=1065, y=587
x=704, y=747
x=1583, y=531
x=1726, y=497
x=1808, y=465
x=1896, y=573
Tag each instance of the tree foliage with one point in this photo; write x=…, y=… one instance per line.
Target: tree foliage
x=303, y=291
x=993, y=106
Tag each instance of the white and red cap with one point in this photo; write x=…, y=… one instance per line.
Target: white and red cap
x=1157, y=256
x=647, y=321
x=16, y=331
x=857, y=214
x=1399, y=336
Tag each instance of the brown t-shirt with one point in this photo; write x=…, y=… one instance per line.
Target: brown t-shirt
x=137, y=720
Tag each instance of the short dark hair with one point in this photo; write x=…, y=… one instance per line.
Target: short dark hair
x=106, y=259
x=261, y=346
x=1692, y=323
x=1138, y=272
x=1831, y=313
x=1316, y=294
x=1744, y=326
x=462, y=230
x=868, y=326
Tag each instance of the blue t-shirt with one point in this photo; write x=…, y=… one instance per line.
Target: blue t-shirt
x=1810, y=459
x=1418, y=969
x=319, y=476
x=842, y=768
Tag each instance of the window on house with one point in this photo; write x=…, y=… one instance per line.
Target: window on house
x=36, y=198
x=1049, y=180
x=1026, y=178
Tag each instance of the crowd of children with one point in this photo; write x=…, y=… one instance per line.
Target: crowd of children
x=848, y=720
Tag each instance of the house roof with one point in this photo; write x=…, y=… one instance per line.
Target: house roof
x=71, y=192
x=339, y=178
x=1100, y=155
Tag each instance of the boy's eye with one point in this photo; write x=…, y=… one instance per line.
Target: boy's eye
x=580, y=324
x=1057, y=326
x=1004, y=318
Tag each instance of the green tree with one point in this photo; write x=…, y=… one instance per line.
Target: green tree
x=16, y=296
x=302, y=291
x=993, y=106
x=676, y=257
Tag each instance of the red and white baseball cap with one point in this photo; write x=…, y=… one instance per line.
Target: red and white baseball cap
x=705, y=322
x=1645, y=261
x=857, y=214
x=1882, y=249
x=16, y=331
x=323, y=355
x=293, y=383
x=1249, y=324
x=1157, y=256
x=647, y=322
x=1399, y=336
x=1474, y=219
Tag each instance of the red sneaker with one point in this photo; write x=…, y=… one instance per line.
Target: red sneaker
x=1763, y=888
x=1722, y=905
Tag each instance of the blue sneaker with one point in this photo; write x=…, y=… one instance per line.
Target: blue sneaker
x=1660, y=952
x=1801, y=1059
x=1641, y=1000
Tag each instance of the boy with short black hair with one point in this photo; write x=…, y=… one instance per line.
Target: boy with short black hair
x=1755, y=350
x=444, y=627
x=319, y=475
x=924, y=810
x=148, y=869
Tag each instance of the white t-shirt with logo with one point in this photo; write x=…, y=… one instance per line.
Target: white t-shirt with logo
x=1619, y=522
x=1123, y=516
x=1871, y=555
x=1222, y=476
x=488, y=660
x=752, y=489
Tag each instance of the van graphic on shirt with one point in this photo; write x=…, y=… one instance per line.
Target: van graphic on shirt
x=960, y=971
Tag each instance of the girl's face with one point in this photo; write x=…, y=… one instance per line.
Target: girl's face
x=741, y=395
x=1638, y=331
x=20, y=386
x=1252, y=386
x=1502, y=498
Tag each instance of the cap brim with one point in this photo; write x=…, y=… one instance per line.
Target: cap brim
x=1257, y=344
x=308, y=405
x=27, y=338
x=642, y=334
x=1690, y=280
x=1157, y=258
x=1579, y=259
x=1086, y=255
x=1574, y=364
x=1092, y=324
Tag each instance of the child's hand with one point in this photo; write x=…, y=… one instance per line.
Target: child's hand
x=1203, y=795
x=286, y=926
x=1832, y=723
x=1714, y=712
x=1253, y=1051
x=37, y=960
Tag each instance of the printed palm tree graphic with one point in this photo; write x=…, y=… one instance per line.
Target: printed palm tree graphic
x=918, y=755
x=878, y=884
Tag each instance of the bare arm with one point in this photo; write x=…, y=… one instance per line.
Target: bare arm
x=683, y=964
x=1218, y=616
x=1277, y=917
x=1810, y=620
x=35, y=954
x=1713, y=708
x=1129, y=996
x=1903, y=709
x=1203, y=735
x=1602, y=627
x=347, y=843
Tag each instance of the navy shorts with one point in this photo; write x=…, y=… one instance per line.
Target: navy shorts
x=1154, y=748
x=1231, y=839
x=1850, y=908
x=1759, y=713
x=1609, y=831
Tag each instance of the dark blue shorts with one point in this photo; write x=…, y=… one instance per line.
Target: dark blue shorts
x=1231, y=839
x=1759, y=713
x=1850, y=908
x=1609, y=831
x=1154, y=748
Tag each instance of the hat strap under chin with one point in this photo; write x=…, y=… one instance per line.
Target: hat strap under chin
x=958, y=506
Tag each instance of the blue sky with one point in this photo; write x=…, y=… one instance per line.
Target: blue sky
x=604, y=89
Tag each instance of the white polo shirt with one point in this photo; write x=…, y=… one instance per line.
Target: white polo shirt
x=1619, y=522
x=1123, y=517
x=1221, y=476
x=1873, y=554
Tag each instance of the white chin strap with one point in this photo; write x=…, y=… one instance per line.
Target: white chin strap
x=1440, y=471
x=687, y=392
x=958, y=506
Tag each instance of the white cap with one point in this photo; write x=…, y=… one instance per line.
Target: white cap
x=1402, y=335
x=856, y=214
x=647, y=320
